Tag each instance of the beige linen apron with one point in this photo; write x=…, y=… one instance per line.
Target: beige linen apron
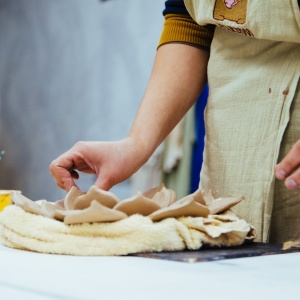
x=253, y=112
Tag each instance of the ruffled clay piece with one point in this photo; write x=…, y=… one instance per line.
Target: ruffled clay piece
x=105, y=198
x=183, y=207
x=291, y=244
x=101, y=206
x=229, y=216
x=30, y=206
x=208, y=197
x=96, y=212
x=51, y=208
x=197, y=196
x=221, y=204
x=251, y=236
x=138, y=204
x=150, y=193
x=165, y=197
x=71, y=197
x=59, y=204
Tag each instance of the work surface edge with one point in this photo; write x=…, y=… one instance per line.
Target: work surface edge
x=28, y=275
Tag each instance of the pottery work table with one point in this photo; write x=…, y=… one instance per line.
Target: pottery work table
x=29, y=275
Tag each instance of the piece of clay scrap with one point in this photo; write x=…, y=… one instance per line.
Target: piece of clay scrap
x=71, y=196
x=188, y=207
x=50, y=209
x=32, y=207
x=138, y=204
x=208, y=197
x=46, y=208
x=59, y=204
x=150, y=193
x=222, y=204
x=96, y=212
x=197, y=196
x=291, y=244
x=165, y=197
x=105, y=198
x=251, y=236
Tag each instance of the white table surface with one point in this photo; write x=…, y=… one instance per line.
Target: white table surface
x=28, y=275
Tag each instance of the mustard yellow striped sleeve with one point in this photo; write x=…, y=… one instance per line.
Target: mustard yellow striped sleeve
x=180, y=28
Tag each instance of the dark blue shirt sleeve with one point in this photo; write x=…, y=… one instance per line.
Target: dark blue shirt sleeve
x=175, y=7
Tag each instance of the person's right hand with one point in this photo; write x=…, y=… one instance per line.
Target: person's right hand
x=112, y=162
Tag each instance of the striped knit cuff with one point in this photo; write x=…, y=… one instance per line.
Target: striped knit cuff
x=179, y=28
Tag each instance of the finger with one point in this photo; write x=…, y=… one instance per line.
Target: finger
x=103, y=183
x=63, y=178
x=290, y=163
x=59, y=169
x=293, y=182
x=65, y=184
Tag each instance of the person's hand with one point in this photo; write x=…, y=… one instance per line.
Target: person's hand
x=112, y=162
x=289, y=168
x=178, y=76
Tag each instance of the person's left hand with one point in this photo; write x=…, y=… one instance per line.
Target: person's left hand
x=289, y=168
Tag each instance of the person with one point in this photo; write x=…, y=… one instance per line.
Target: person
x=249, y=53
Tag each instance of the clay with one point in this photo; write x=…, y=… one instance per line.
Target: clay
x=184, y=207
x=208, y=197
x=71, y=196
x=96, y=212
x=291, y=244
x=150, y=193
x=105, y=198
x=101, y=206
x=43, y=208
x=138, y=204
x=165, y=197
x=59, y=204
x=221, y=204
x=197, y=196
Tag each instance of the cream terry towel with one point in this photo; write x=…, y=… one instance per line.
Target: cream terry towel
x=98, y=223
x=27, y=231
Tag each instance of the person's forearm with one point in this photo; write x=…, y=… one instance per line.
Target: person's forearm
x=177, y=79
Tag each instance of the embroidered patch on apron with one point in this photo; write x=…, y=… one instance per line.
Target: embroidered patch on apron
x=249, y=18
x=232, y=10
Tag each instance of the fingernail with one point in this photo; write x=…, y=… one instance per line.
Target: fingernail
x=291, y=184
x=280, y=174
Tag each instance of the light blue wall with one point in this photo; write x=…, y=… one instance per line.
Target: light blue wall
x=69, y=70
